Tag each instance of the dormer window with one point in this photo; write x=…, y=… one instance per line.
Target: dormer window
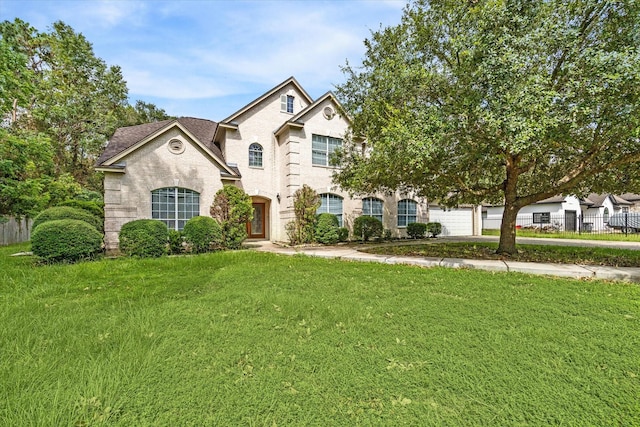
x=286, y=103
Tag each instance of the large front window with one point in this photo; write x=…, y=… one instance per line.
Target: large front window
x=407, y=212
x=330, y=203
x=372, y=207
x=174, y=206
x=322, y=147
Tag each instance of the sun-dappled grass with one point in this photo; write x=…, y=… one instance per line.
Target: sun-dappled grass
x=613, y=236
x=247, y=338
x=526, y=253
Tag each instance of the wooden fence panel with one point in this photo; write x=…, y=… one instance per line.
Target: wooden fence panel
x=14, y=231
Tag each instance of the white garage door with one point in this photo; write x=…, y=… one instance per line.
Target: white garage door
x=455, y=222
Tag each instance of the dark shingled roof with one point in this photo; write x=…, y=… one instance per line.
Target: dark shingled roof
x=126, y=137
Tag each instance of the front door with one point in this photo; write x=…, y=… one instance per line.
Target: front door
x=570, y=221
x=257, y=224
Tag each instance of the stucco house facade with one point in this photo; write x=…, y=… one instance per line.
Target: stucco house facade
x=171, y=170
x=566, y=213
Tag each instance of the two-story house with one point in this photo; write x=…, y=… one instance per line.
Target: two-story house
x=171, y=170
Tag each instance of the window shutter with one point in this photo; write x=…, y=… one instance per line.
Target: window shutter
x=283, y=103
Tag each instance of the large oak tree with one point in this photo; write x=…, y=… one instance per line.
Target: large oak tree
x=497, y=101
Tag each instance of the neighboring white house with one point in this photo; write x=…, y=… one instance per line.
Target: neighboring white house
x=563, y=213
x=171, y=170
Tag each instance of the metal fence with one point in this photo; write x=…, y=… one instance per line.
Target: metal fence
x=571, y=222
x=14, y=231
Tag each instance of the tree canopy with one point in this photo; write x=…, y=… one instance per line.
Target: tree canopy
x=59, y=103
x=498, y=101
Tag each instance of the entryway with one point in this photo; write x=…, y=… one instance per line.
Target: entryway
x=257, y=227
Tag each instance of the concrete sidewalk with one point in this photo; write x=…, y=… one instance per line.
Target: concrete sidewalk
x=561, y=270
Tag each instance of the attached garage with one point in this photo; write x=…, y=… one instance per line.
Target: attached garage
x=461, y=221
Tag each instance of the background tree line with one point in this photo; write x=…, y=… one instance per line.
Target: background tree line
x=59, y=103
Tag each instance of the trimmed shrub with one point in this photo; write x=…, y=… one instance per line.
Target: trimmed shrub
x=232, y=208
x=65, y=240
x=305, y=204
x=94, y=208
x=144, y=238
x=327, y=227
x=201, y=232
x=175, y=242
x=416, y=230
x=343, y=234
x=67, y=212
x=366, y=227
x=434, y=228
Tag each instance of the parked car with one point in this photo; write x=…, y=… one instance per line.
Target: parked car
x=627, y=222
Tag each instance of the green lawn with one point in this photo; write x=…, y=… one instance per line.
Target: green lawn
x=614, y=237
x=526, y=253
x=246, y=338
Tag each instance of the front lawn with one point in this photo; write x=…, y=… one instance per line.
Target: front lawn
x=246, y=338
x=526, y=253
x=610, y=236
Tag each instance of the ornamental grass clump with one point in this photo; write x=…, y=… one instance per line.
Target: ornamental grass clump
x=65, y=240
x=144, y=238
x=201, y=233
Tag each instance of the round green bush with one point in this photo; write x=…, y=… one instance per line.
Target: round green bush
x=93, y=207
x=343, y=234
x=144, y=238
x=201, y=232
x=176, y=239
x=416, y=230
x=327, y=229
x=434, y=228
x=366, y=227
x=65, y=240
x=67, y=212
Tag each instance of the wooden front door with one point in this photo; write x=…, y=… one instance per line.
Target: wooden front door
x=257, y=224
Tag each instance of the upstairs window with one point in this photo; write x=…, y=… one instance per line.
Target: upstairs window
x=286, y=103
x=372, y=207
x=331, y=203
x=255, y=155
x=322, y=147
x=174, y=206
x=407, y=212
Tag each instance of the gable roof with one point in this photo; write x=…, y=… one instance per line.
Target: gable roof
x=290, y=80
x=297, y=120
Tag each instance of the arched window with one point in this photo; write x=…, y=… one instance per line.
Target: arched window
x=606, y=215
x=255, y=155
x=372, y=207
x=174, y=206
x=407, y=212
x=331, y=203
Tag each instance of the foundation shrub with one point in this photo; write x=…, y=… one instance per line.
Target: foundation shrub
x=65, y=240
x=144, y=238
x=367, y=227
x=416, y=230
x=202, y=233
x=68, y=212
x=327, y=229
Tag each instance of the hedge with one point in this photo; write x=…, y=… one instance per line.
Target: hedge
x=366, y=227
x=65, y=240
x=144, y=238
x=416, y=230
x=201, y=232
x=67, y=212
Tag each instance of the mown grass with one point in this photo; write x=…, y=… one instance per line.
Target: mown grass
x=614, y=237
x=526, y=253
x=246, y=338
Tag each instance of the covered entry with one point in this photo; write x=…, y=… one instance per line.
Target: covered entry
x=257, y=227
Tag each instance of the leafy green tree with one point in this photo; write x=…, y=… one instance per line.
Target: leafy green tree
x=495, y=101
x=52, y=83
x=232, y=209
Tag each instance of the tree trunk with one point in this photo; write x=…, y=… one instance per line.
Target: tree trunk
x=507, y=243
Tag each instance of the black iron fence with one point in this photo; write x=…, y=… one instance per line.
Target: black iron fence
x=572, y=222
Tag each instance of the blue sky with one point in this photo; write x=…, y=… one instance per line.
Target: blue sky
x=209, y=58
